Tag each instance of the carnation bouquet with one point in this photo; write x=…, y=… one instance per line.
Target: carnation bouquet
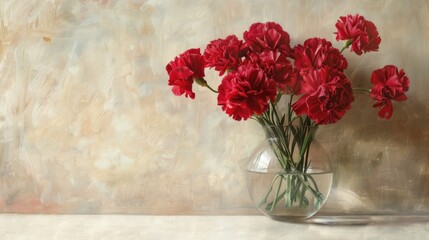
x=262, y=72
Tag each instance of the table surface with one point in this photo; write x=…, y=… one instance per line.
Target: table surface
x=22, y=226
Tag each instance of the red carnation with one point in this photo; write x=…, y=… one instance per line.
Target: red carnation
x=316, y=53
x=224, y=54
x=267, y=36
x=246, y=92
x=361, y=33
x=277, y=67
x=327, y=95
x=183, y=70
x=389, y=84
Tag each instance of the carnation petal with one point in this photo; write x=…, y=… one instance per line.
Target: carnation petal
x=386, y=111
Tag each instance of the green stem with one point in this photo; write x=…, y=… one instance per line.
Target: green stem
x=264, y=200
x=361, y=90
x=277, y=194
x=202, y=82
x=208, y=86
x=314, y=182
x=290, y=109
x=303, y=200
x=346, y=45
x=315, y=193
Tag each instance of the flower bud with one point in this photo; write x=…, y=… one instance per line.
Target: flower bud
x=201, y=82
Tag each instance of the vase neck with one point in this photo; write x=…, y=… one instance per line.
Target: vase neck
x=278, y=131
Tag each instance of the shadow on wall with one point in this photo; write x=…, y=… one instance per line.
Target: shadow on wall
x=382, y=166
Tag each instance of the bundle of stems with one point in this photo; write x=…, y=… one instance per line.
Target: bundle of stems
x=290, y=137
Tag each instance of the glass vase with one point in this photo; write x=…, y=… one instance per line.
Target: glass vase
x=288, y=181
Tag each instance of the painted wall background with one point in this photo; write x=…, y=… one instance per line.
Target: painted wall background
x=89, y=125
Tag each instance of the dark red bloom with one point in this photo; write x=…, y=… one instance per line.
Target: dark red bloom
x=362, y=33
x=316, y=53
x=183, y=70
x=224, y=54
x=246, y=92
x=327, y=95
x=389, y=84
x=277, y=67
x=267, y=36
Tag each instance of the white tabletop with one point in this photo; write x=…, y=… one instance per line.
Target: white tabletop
x=193, y=227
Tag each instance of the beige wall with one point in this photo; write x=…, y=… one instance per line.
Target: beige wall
x=89, y=125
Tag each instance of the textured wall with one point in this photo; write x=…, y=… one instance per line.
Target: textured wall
x=89, y=125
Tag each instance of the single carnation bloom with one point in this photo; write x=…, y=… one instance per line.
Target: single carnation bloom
x=277, y=67
x=327, y=95
x=362, y=33
x=224, y=54
x=316, y=53
x=246, y=92
x=183, y=70
x=267, y=36
x=389, y=84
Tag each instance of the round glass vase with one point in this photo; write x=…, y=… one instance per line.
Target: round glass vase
x=288, y=182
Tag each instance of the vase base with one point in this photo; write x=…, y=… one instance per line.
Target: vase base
x=364, y=219
x=291, y=219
